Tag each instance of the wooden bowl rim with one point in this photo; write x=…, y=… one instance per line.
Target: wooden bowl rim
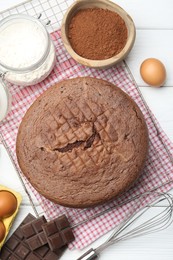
x=77, y=5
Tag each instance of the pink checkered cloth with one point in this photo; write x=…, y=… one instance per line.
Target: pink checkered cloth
x=158, y=172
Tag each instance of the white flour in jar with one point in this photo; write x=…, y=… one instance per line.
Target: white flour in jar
x=23, y=43
x=35, y=76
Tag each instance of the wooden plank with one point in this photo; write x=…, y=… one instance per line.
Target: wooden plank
x=160, y=103
x=155, y=14
x=152, y=43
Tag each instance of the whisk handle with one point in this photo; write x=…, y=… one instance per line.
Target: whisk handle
x=89, y=255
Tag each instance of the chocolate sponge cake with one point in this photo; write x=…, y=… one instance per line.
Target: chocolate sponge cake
x=82, y=142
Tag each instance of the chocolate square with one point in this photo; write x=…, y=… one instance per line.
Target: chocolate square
x=67, y=235
x=28, y=230
x=34, y=242
x=19, y=233
x=55, y=242
x=22, y=251
x=42, y=251
x=62, y=222
x=37, y=224
x=13, y=243
x=50, y=228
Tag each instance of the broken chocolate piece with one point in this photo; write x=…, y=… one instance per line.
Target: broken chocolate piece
x=58, y=232
x=34, y=234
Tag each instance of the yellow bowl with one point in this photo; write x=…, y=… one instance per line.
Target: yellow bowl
x=104, y=4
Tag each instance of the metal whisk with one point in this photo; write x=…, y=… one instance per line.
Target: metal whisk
x=154, y=223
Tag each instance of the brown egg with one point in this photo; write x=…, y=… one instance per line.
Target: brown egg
x=2, y=231
x=8, y=204
x=153, y=72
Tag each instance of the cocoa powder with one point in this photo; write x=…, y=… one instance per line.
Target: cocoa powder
x=97, y=34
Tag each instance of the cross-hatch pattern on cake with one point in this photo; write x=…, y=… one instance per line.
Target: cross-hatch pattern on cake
x=83, y=142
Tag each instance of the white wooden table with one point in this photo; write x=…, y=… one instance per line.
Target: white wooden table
x=154, y=23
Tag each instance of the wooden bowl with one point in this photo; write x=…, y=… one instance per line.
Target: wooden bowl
x=104, y=4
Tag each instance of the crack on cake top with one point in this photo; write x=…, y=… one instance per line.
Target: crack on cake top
x=70, y=146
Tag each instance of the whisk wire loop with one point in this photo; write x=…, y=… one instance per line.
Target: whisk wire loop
x=155, y=223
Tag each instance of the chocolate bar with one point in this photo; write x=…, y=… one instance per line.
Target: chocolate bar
x=16, y=247
x=58, y=232
x=33, y=233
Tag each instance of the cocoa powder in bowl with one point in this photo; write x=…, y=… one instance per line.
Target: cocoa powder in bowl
x=97, y=34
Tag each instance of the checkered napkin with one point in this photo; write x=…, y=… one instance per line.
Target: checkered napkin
x=158, y=172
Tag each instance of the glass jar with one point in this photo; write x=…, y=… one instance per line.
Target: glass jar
x=27, y=53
